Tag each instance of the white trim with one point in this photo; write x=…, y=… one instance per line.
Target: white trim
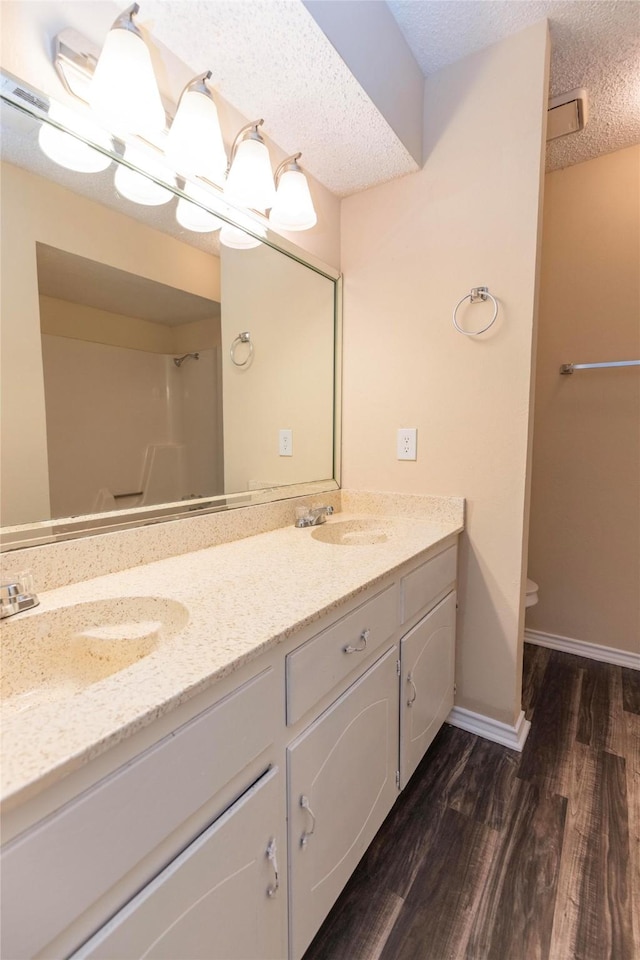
x=592, y=651
x=509, y=735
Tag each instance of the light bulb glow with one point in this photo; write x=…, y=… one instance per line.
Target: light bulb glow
x=237, y=239
x=194, y=145
x=250, y=180
x=293, y=207
x=124, y=92
x=192, y=217
x=65, y=150
x=138, y=188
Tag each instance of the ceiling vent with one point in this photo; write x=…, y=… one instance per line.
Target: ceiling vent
x=567, y=113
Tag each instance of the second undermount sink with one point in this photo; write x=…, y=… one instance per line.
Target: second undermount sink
x=55, y=654
x=358, y=532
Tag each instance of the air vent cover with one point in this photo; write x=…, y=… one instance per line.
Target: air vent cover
x=567, y=114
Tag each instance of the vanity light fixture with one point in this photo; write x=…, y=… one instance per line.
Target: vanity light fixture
x=124, y=92
x=120, y=86
x=193, y=217
x=293, y=207
x=249, y=177
x=138, y=188
x=194, y=143
x=67, y=151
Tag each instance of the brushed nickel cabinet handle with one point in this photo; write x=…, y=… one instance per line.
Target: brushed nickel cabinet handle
x=304, y=802
x=411, y=702
x=273, y=888
x=361, y=645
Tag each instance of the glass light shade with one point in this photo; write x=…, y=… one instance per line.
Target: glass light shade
x=124, y=92
x=138, y=188
x=66, y=150
x=250, y=180
x=192, y=217
x=293, y=207
x=194, y=145
x=237, y=239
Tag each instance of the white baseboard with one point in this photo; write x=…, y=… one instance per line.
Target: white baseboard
x=512, y=736
x=592, y=651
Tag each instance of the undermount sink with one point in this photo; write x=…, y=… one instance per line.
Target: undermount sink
x=356, y=533
x=54, y=654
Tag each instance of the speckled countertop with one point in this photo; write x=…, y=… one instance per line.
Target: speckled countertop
x=241, y=599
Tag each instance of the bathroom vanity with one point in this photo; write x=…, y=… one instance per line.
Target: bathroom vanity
x=212, y=799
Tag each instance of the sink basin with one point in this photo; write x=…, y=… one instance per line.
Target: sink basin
x=55, y=654
x=356, y=533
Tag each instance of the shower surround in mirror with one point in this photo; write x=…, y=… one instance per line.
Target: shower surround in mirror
x=206, y=428
x=148, y=431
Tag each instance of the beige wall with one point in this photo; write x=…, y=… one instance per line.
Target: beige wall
x=33, y=209
x=62, y=318
x=585, y=517
x=410, y=250
x=289, y=311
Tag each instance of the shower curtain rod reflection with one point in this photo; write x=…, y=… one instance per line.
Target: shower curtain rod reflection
x=180, y=360
x=570, y=367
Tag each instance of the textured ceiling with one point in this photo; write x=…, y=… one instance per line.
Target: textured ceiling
x=270, y=59
x=594, y=44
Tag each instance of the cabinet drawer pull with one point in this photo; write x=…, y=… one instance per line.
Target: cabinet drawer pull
x=273, y=888
x=411, y=702
x=361, y=645
x=304, y=802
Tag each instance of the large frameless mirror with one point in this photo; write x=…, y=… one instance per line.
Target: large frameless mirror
x=148, y=369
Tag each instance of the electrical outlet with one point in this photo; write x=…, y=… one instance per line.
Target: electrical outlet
x=285, y=443
x=407, y=443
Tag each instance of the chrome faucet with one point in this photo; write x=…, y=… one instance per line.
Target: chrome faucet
x=16, y=594
x=314, y=517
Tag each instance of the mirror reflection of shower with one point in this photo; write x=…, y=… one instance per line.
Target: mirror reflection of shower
x=110, y=340
x=180, y=360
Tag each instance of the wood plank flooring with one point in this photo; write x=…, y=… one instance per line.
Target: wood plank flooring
x=493, y=855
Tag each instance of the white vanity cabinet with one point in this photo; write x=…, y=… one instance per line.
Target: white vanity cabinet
x=221, y=899
x=342, y=784
x=427, y=655
x=71, y=872
x=426, y=691
x=227, y=828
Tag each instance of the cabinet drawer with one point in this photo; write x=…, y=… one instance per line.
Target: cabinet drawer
x=111, y=828
x=315, y=668
x=219, y=899
x=421, y=587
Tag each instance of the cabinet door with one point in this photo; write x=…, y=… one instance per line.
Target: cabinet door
x=342, y=784
x=219, y=900
x=426, y=694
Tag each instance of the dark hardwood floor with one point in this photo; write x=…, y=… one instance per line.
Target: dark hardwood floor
x=494, y=855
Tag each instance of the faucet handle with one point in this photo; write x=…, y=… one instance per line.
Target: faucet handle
x=17, y=593
x=320, y=510
x=21, y=582
x=10, y=587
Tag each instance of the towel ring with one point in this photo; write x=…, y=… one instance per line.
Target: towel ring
x=477, y=294
x=244, y=337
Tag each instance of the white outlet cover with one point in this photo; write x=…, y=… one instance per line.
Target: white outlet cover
x=285, y=443
x=407, y=443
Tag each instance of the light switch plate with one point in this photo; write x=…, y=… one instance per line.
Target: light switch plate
x=407, y=443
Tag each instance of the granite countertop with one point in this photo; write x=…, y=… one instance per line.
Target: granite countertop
x=241, y=598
